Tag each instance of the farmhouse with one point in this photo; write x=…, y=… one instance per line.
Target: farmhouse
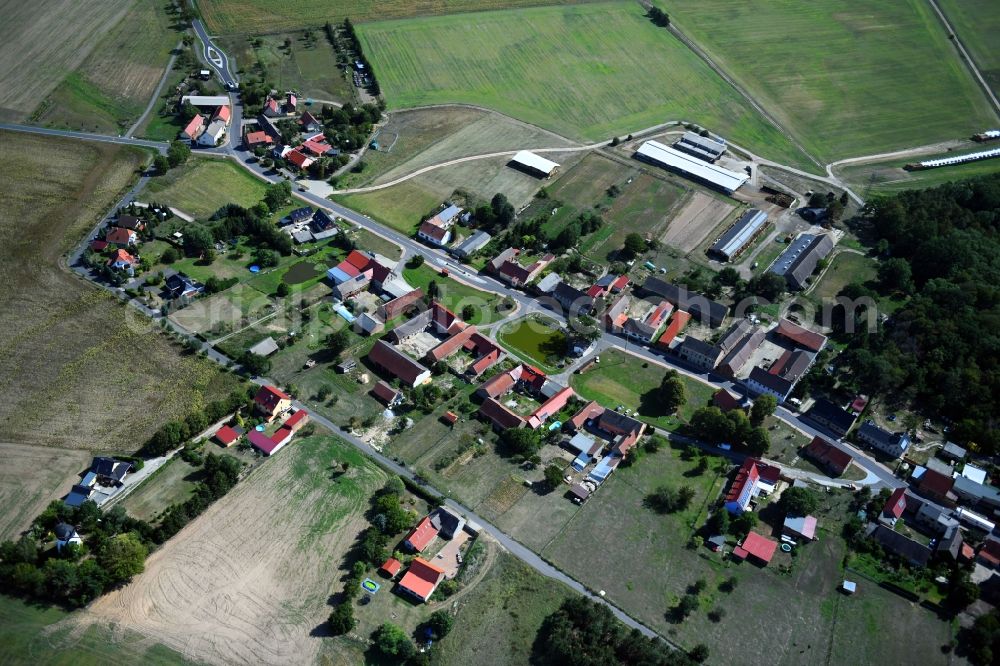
x=421, y=536
x=271, y=401
x=828, y=456
x=935, y=486
x=752, y=477
x=891, y=444
x=421, y=579
x=698, y=353
x=706, y=310
x=800, y=337
x=499, y=416
x=738, y=355
x=534, y=165
x=757, y=548
x=668, y=158
x=572, y=299
x=121, y=237
x=212, y=134
x=799, y=260
x=977, y=494
x=739, y=237
x=703, y=147
x=434, y=234
x=781, y=377
x=194, y=128
x=828, y=415
x=389, y=359
x=904, y=547
x=205, y=101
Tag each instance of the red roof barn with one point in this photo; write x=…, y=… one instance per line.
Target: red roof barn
x=757, y=547
x=226, y=435
x=421, y=535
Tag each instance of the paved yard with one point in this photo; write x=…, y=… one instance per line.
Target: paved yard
x=446, y=557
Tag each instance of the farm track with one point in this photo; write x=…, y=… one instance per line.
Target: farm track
x=964, y=56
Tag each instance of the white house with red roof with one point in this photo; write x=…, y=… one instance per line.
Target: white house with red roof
x=122, y=261
x=223, y=113
x=421, y=579
x=194, y=128
x=121, y=237
x=271, y=401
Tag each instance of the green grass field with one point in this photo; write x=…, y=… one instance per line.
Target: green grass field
x=399, y=206
x=847, y=77
x=111, y=88
x=202, y=186
x=172, y=483
x=538, y=340
x=890, y=177
x=623, y=379
x=847, y=268
x=261, y=16
x=977, y=23
x=456, y=295
x=586, y=71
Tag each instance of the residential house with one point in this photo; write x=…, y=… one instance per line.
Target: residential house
x=223, y=113
x=706, y=310
x=121, y=237
x=913, y=552
x=799, y=527
x=258, y=138
x=829, y=416
x=389, y=396
x=271, y=401
x=272, y=109
x=433, y=234
x=398, y=306
x=891, y=444
x=309, y=122
x=447, y=522
x=299, y=159
x=726, y=401
x=66, y=535
x=676, y=325
x=513, y=273
x=744, y=488
x=936, y=486
x=619, y=284
x=756, y=547
x=194, y=128
x=698, y=353
x=421, y=536
x=894, y=507
x=585, y=416
x=322, y=221
x=826, y=455
x=547, y=284
x=179, y=285
x=953, y=451
x=573, y=300
x=421, y=579
x=976, y=494
x=130, y=222
x=781, y=377
x=989, y=553
x=399, y=365
x=212, y=134
x=122, y=261
x=934, y=519
x=108, y=471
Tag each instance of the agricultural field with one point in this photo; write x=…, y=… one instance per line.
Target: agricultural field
x=977, y=23
x=308, y=66
x=582, y=70
x=225, y=592
x=261, y=16
x=58, y=334
x=112, y=87
x=694, y=222
x=30, y=634
x=889, y=177
x=32, y=476
x=623, y=379
x=41, y=44
x=202, y=186
x=846, y=77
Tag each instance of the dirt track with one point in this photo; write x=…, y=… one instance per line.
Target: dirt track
x=700, y=215
x=249, y=581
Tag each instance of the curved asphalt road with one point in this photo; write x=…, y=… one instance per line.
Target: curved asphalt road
x=229, y=79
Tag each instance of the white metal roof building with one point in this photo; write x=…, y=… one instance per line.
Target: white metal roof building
x=737, y=237
x=961, y=159
x=656, y=153
x=533, y=163
x=206, y=100
x=702, y=147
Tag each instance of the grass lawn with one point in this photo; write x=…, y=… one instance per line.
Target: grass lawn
x=171, y=484
x=977, y=23
x=456, y=295
x=112, y=86
x=623, y=379
x=308, y=67
x=58, y=332
x=202, y=186
x=28, y=635
x=582, y=70
x=889, y=177
x=260, y=16
x=846, y=77
x=399, y=207
x=847, y=268
x=538, y=340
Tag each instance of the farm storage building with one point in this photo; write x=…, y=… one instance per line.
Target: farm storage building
x=739, y=236
x=800, y=259
x=703, y=147
x=533, y=164
x=656, y=153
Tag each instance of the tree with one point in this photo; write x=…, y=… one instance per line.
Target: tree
x=178, y=153
x=798, y=502
x=758, y=442
x=161, y=164
x=392, y=641
x=468, y=312
x=687, y=605
x=254, y=364
x=553, y=476
x=520, y=441
x=672, y=393
x=341, y=620
x=433, y=290
x=670, y=500
x=197, y=240
x=416, y=261
x=282, y=290
x=895, y=275
x=963, y=592
x=718, y=522
x=277, y=195
x=699, y=653
x=763, y=406
x=634, y=246
x=123, y=556
x=440, y=623
x=743, y=523
x=728, y=276
x=767, y=285
x=658, y=16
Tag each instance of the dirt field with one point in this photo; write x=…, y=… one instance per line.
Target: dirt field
x=40, y=43
x=249, y=580
x=29, y=478
x=80, y=369
x=695, y=221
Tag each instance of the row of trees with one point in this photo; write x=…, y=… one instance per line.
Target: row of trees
x=712, y=425
x=174, y=433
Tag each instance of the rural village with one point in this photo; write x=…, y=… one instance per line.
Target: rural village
x=373, y=371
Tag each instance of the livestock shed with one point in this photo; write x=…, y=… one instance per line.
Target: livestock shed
x=738, y=237
x=533, y=164
x=799, y=260
x=702, y=147
x=714, y=176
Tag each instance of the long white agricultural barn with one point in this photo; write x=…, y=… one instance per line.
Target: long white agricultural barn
x=205, y=100
x=533, y=163
x=657, y=153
